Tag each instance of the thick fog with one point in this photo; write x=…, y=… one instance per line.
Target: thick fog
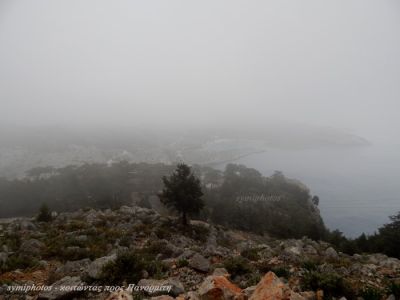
x=331, y=63
x=156, y=64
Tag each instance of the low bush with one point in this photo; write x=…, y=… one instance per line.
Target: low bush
x=237, y=266
x=310, y=265
x=182, y=263
x=18, y=262
x=196, y=232
x=129, y=266
x=331, y=283
x=281, y=272
x=394, y=289
x=163, y=232
x=251, y=254
x=44, y=214
x=371, y=293
x=154, y=248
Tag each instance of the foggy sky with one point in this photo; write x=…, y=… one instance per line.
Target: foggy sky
x=332, y=63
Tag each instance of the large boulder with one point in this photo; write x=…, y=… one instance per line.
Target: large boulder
x=95, y=268
x=331, y=253
x=272, y=288
x=219, y=288
x=199, y=263
x=58, y=290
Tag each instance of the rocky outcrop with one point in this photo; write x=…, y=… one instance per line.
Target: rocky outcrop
x=272, y=288
x=205, y=263
x=219, y=288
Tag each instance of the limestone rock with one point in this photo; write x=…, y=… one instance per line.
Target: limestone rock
x=219, y=288
x=331, y=253
x=95, y=268
x=199, y=263
x=272, y=288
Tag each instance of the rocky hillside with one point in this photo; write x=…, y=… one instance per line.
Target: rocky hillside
x=81, y=255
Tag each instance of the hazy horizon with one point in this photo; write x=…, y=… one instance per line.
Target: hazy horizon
x=91, y=63
x=325, y=71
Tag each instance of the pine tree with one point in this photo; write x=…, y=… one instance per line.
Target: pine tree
x=182, y=192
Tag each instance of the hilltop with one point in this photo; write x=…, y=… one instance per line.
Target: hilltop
x=137, y=245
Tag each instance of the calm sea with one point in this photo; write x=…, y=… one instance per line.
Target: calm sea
x=358, y=187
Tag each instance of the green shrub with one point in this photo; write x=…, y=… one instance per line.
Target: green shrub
x=394, y=289
x=74, y=225
x=371, y=293
x=253, y=279
x=331, y=283
x=153, y=248
x=44, y=214
x=251, y=254
x=196, y=232
x=13, y=241
x=237, y=266
x=224, y=242
x=281, y=272
x=128, y=267
x=310, y=265
x=182, y=263
x=155, y=268
x=125, y=241
x=163, y=232
x=18, y=262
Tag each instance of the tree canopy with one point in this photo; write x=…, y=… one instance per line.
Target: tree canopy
x=182, y=192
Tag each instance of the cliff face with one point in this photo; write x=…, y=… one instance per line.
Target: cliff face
x=142, y=250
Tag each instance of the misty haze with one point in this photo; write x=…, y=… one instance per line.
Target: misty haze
x=281, y=115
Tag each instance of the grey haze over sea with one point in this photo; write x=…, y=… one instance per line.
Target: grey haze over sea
x=358, y=187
